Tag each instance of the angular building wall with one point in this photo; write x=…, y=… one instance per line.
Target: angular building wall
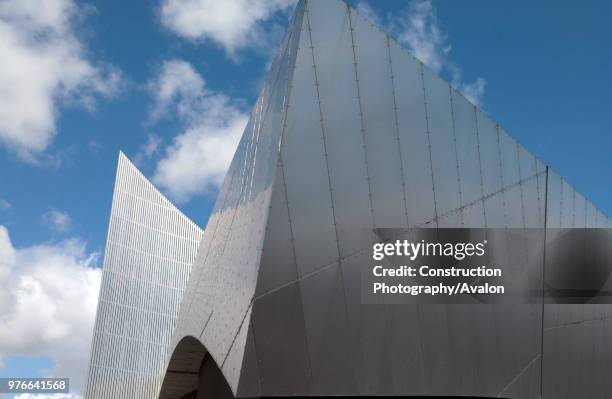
x=577, y=336
x=352, y=133
x=376, y=140
x=150, y=248
x=217, y=303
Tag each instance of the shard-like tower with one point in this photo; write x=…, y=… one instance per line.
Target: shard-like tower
x=150, y=248
x=351, y=133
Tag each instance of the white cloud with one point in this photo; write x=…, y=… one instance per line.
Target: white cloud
x=4, y=204
x=474, y=91
x=148, y=150
x=151, y=147
x=48, y=304
x=44, y=65
x=421, y=32
x=366, y=10
x=232, y=24
x=59, y=221
x=418, y=29
x=177, y=85
x=198, y=158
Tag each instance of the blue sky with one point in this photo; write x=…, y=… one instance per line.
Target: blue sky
x=157, y=79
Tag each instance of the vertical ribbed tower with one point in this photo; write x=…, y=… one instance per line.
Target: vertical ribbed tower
x=150, y=249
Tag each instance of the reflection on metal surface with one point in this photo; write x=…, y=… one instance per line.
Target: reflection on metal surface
x=150, y=248
x=352, y=134
x=363, y=137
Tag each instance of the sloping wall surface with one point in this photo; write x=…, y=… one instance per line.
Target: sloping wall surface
x=217, y=304
x=352, y=133
x=150, y=248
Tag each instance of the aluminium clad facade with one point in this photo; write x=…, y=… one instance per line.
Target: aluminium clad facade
x=351, y=133
x=150, y=248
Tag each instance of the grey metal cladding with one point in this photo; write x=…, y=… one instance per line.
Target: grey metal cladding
x=344, y=337
x=577, y=347
x=413, y=137
x=350, y=133
x=150, y=248
x=380, y=130
x=217, y=305
x=303, y=159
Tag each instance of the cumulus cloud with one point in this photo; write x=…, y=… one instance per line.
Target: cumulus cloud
x=148, y=150
x=421, y=32
x=198, y=158
x=178, y=86
x=474, y=91
x=419, y=29
x=59, y=221
x=231, y=24
x=151, y=147
x=44, y=66
x=48, y=304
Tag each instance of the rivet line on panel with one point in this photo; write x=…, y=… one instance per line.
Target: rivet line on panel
x=433, y=184
x=578, y=322
x=361, y=118
x=482, y=191
x=561, y=182
x=290, y=219
x=295, y=262
x=501, y=173
x=258, y=358
x=543, y=286
x=518, y=161
x=323, y=132
x=540, y=215
x=452, y=107
x=573, y=208
x=482, y=199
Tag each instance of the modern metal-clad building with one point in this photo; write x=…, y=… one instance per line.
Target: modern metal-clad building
x=150, y=248
x=352, y=134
